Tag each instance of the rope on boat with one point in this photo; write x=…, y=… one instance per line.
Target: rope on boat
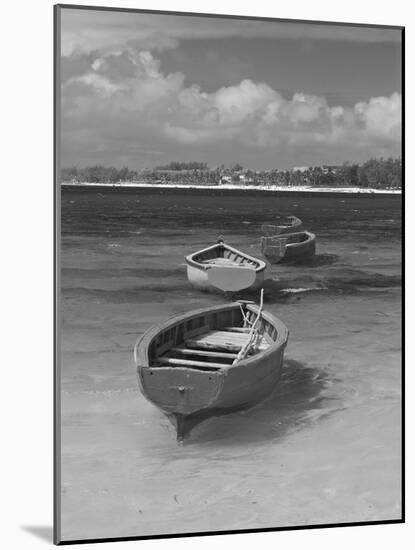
x=254, y=335
x=247, y=322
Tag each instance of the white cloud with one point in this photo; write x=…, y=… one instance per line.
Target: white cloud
x=246, y=101
x=124, y=95
x=139, y=79
x=101, y=84
x=381, y=116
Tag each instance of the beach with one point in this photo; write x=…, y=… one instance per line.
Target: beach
x=237, y=187
x=323, y=448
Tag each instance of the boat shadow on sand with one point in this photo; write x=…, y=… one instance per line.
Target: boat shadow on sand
x=298, y=400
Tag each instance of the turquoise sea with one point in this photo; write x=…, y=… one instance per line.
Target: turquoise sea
x=323, y=448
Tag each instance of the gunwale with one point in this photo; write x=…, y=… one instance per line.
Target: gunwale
x=142, y=347
x=287, y=224
x=310, y=237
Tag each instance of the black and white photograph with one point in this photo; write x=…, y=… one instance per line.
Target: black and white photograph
x=228, y=218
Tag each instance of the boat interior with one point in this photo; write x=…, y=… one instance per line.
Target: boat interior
x=282, y=225
x=211, y=341
x=222, y=255
x=291, y=220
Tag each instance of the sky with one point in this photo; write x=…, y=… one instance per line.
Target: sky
x=141, y=90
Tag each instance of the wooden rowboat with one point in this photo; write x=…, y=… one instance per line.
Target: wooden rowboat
x=290, y=247
x=223, y=268
x=287, y=224
x=189, y=367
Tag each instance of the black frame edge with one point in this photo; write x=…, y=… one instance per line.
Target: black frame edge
x=56, y=278
x=228, y=16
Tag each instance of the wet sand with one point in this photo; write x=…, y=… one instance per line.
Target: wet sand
x=323, y=448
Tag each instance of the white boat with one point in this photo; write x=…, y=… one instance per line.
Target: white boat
x=223, y=268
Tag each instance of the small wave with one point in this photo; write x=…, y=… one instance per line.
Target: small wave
x=146, y=293
x=320, y=260
x=349, y=279
x=114, y=245
x=344, y=280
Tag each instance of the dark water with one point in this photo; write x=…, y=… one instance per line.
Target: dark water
x=324, y=438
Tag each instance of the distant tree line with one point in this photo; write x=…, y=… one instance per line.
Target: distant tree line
x=98, y=174
x=375, y=173
x=184, y=177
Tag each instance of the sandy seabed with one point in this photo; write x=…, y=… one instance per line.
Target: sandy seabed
x=323, y=448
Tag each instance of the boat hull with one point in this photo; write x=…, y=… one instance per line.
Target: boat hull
x=188, y=398
x=292, y=252
x=185, y=391
x=300, y=251
x=199, y=278
x=245, y=273
x=294, y=225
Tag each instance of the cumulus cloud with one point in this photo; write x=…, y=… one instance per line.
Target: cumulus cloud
x=125, y=95
x=256, y=114
x=381, y=116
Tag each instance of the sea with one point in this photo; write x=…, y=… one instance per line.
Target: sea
x=324, y=448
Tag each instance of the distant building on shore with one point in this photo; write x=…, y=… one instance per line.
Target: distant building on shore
x=333, y=168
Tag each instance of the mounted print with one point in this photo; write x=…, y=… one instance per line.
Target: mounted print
x=228, y=274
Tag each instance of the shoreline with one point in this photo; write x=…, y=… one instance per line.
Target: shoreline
x=269, y=189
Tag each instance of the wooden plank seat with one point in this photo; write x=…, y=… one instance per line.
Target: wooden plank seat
x=220, y=340
x=237, y=329
x=172, y=361
x=233, y=337
x=211, y=350
x=222, y=261
x=204, y=353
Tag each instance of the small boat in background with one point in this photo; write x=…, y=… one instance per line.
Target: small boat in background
x=223, y=268
x=287, y=224
x=298, y=247
x=210, y=361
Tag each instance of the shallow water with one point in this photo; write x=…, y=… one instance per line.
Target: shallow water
x=323, y=448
